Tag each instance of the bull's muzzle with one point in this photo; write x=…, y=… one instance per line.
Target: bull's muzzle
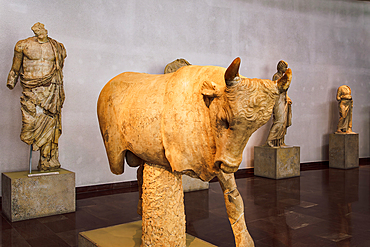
x=227, y=167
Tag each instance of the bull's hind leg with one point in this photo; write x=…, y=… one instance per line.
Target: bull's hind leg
x=139, y=176
x=163, y=212
x=134, y=161
x=235, y=210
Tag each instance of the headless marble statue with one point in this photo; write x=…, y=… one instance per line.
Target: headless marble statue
x=345, y=104
x=282, y=112
x=38, y=61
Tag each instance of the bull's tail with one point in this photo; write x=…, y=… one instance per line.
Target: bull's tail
x=111, y=133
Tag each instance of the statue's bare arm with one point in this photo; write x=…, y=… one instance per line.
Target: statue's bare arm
x=16, y=66
x=64, y=51
x=339, y=92
x=288, y=100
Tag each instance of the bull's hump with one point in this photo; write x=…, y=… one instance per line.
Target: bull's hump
x=195, y=74
x=136, y=77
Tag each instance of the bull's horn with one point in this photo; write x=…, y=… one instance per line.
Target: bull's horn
x=232, y=73
x=284, y=82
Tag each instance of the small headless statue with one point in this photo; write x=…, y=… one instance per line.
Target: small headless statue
x=282, y=113
x=345, y=104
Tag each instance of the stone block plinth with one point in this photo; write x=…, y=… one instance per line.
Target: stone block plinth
x=343, y=151
x=277, y=163
x=25, y=197
x=124, y=235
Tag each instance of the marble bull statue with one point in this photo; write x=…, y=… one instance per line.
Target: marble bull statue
x=195, y=121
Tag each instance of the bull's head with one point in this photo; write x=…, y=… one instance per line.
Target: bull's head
x=239, y=109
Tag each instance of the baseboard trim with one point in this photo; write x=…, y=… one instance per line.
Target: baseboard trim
x=132, y=186
x=106, y=189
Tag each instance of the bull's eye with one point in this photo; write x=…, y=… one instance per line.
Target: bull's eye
x=224, y=123
x=206, y=100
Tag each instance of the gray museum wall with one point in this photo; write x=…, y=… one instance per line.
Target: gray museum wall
x=326, y=43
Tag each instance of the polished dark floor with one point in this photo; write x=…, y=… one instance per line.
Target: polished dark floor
x=326, y=207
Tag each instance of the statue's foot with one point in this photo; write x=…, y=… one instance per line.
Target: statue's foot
x=43, y=168
x=339, y=132
x=48, y=165
x=269, y=143
x=349, y=131
x=54, y=164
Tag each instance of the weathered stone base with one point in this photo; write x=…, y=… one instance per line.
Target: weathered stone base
x=26, y=197
x=343, y=151
x=163, y=213
x=276, y=163
x=193, y=184
x=124, y=235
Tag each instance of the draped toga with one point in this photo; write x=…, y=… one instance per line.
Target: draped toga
x=345, y=108
x=41, y=103
x=282, y=117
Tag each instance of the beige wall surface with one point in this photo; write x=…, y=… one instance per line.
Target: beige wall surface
x=325, y=42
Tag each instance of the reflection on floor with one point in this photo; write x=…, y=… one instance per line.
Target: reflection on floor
x=327, y=207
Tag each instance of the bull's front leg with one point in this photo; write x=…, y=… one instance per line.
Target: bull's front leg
x=235, y=210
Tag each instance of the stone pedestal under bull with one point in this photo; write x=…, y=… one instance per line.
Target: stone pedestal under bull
x=195, y=121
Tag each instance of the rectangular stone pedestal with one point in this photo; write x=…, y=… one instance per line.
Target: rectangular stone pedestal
x=343, y=151
x=125, y=235
x=26, y=197
x=276, y=163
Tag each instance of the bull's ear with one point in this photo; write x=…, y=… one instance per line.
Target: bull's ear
x=210, y=91
x=284, y=82
x=232, y=73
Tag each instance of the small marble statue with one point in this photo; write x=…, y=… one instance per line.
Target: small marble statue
x=38, y=62
x=195, y=121
x=282, y=113
x=345, y=110
x=175, y=65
